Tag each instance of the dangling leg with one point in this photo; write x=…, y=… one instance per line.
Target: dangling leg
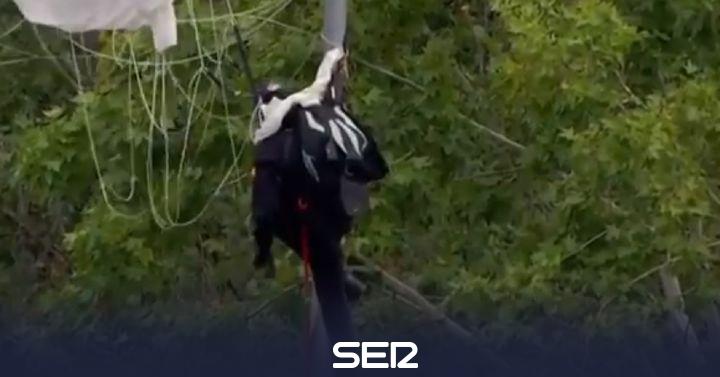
x=326, y=261
x=354, y=288
x=265, y=209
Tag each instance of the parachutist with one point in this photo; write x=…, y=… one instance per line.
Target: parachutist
x=313, y=161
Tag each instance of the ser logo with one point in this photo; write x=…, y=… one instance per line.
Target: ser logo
x=340, y=350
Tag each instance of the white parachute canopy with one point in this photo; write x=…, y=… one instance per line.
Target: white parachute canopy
x=76, y=16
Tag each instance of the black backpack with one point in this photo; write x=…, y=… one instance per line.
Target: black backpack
x=330, y=145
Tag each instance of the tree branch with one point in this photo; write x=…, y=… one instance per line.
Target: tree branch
x=423, y=304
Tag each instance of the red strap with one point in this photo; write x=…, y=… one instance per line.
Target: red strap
x=305, y=250
x=302, y=207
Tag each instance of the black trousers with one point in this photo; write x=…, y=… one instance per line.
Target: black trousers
x=276, y=213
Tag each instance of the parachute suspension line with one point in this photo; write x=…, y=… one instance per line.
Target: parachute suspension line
x=236, y=156
x=166, y=140
x=160, y=69
x=186, y=93
x=131, y=148
x=271, y=8
x=129, y=126
x=166, y=223
x=265, y=13
x=223, y=92
x=245, y=64
x=91, y=139
x=269, y=19
x=193, y=88
x=131, y=143
x=268, y=5
x=162, y=66
x=151, y=126
x=53, y=58
x=221, y=51
x=201, y=143
x=195, y=83
x=12, y=29
x=247, y=70
x=16, y=50
x=305, y=60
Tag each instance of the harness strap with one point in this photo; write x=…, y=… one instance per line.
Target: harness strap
x=302, y=208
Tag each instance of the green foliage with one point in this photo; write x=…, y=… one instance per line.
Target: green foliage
x=613, y=106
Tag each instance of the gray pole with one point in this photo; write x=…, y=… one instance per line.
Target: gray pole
x=335, y=23
x=334, y=30
x=334, y=36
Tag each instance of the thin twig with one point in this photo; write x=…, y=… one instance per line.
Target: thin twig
x=389, y=73
x=585, y=245
x=487, y=174
x=427, y=307
x=404, y=300
x=492, y=133
x=269, y=301
x=627, y=89
x=638, y=279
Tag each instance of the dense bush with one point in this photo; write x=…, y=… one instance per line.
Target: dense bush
x=549, y=158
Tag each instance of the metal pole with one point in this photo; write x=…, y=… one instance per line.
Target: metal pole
x=334, y=28
x=334, y=32
x=335, y=23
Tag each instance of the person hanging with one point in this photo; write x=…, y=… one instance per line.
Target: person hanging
x=313, y=161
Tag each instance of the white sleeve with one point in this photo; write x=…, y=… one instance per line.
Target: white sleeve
x=313, y=94
x=86, y=15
